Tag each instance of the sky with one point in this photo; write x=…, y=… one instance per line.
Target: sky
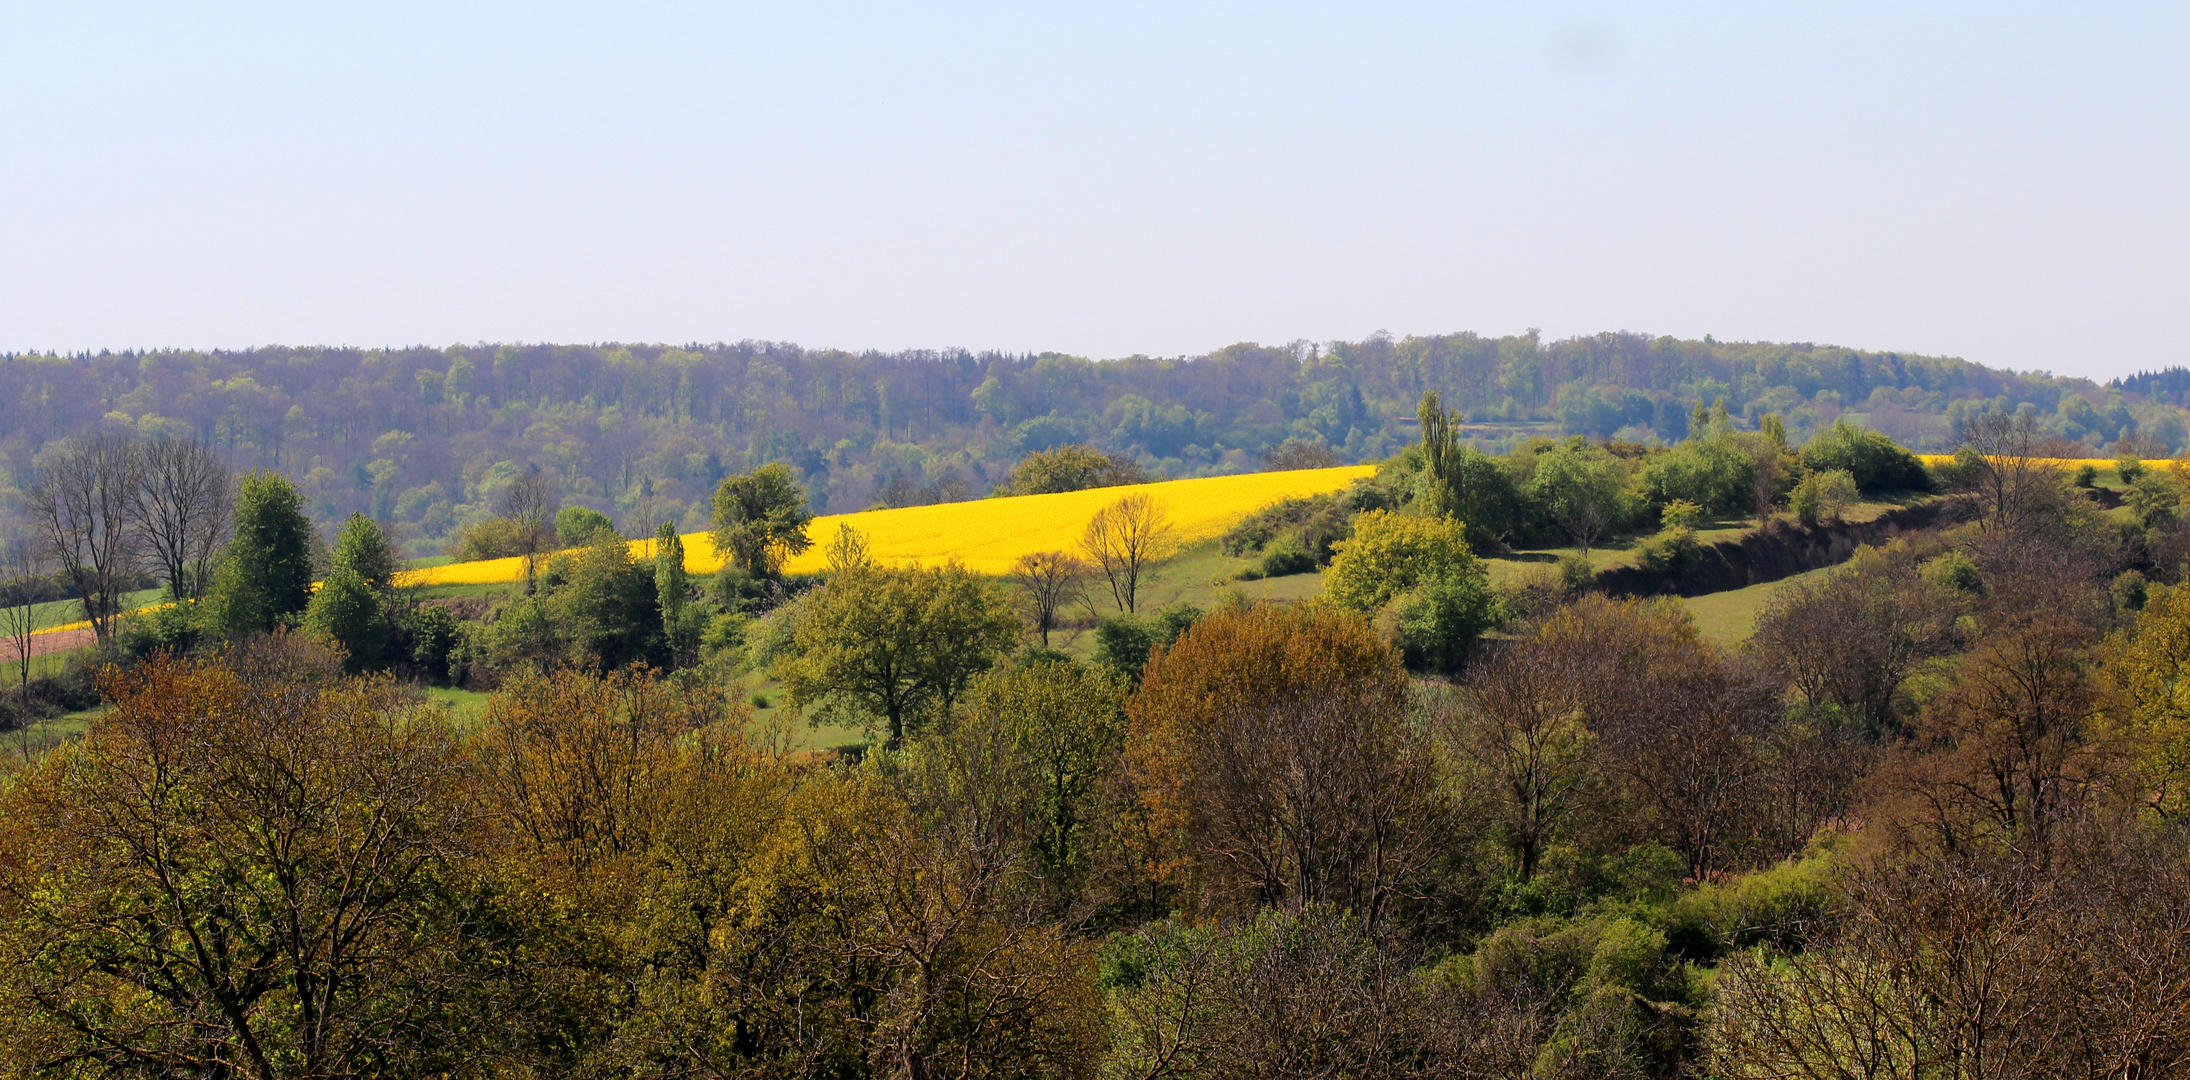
x=2005, y=182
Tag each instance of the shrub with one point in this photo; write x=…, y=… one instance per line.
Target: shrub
x=1681, y=514
x=1389, y=555
x=577, y=526
x=1823, y=496
x=2087, y=475
x=1671, y=551
x=1286, y=557
x=1874, y=462
x=1953, y=571
x=2128, y=466
x=1439, y=619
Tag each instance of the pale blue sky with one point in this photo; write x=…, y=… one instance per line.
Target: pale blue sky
x=2006, y=182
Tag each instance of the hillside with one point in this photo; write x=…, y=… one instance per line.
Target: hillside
x=422, y=437
x=987, y=535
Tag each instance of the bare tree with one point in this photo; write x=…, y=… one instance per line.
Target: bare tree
x=1124, y=539
x=1848, y=639
x=180, y=511
x=1049, y=580
x=81, y=499
x=23, y=568
x=2014, y=477
x=529, y=504
x=1521, y=725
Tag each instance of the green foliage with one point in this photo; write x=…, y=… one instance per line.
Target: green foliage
x=1670, y=552
x=1285, y=557
x=1124, y=643
x=2156, y=499
x=1439, y=619
x=2129, y=467
x=896, y=644
x=1581, y=489
x=349, y=613
x=1823, y=496
x=1075, y=467
x=1874, y=462
x=1463, y=482
x=1680, y=514
x=681, y=622
x=2129, y=590
x=435, y=635
x=363, y=549
x=1311, y=525
x=760, y=519
x=603, y=605
x=1782, y=906
x=1712, y=472
x=265, y=577
x=2087, y=475
x=1389, y=554
x=1955, y=572
x=577, y=526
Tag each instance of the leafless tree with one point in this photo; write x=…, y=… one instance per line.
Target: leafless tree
x=81, y=498
x=1124, y=539
x=1047, y=581
x=23, y=569
x=1520, y=725
x=2015, y=478
x=1847, y=640
x=180, y=511
x=529, y=504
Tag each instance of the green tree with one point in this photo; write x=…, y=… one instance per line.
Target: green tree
x=576, y=526
x=603, y=605
x=1389, y=554
x=1465, y=482
x=349, y=612
x=672, y=594
x=266, y=575
x=363, y=548
x=1581, y=488
x=896, y=644
x=760, y=519
x=1072, y=468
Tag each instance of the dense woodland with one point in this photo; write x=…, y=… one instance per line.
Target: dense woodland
x=1928, y=821
x=422, y=439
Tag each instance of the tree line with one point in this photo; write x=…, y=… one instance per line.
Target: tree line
x=424, y=439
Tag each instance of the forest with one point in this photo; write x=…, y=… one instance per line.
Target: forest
x=1455, y=806
x=421, y=439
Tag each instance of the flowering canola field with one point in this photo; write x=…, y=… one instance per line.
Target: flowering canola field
x=988, y=535
x=1936, y=460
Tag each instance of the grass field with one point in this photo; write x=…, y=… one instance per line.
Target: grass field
x=1726, y=619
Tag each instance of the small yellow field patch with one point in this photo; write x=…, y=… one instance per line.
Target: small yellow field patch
x=988, y=535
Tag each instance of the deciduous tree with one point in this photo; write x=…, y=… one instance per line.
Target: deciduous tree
x=1125, y=539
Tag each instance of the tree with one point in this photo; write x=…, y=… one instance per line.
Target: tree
x=528, y=504
x=1465, y=483
x=363, y=549
x=1521, y=723
x=1847, y=639
x=1273, y=747
x=1124, y=540
x=23, y=570
x=896, y=644
x=1072, y=468
x=180, y=511
x=349, y=613
x=603, y=605
x=266, y=574
x=2014, y=478
x=81, y=498
x=1390, y=554
x=760, y=519
x=1047, y=581
x=1579, y=488
x=246, y=868
x=672, y=594
x=1300, y=454
x=576, y=526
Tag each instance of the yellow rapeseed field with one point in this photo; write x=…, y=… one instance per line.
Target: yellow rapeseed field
x=988, y=535
x=1936, y=460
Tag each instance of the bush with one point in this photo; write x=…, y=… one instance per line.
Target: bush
x=1823, y=496
x=1783, y=907
x=1681, y=514
x=577, y=526
x=1874, y=462
x=1389, y=555
x=434, y=635
x=1286, y=557
x=2128, y=466
x=2087, y=475
x=1712, y=472
x=1125, y=642
x=1955, y=572
x=1441, y=618
x=1672, y=551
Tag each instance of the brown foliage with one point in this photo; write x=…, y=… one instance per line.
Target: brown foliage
x=1274, y=758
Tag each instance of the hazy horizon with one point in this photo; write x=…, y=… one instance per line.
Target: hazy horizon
x=2002, y=185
